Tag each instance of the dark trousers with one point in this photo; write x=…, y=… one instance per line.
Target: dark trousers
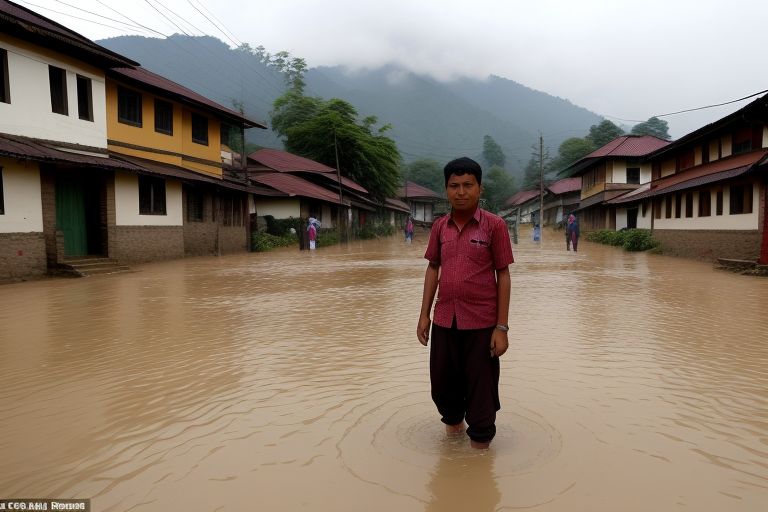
x=465, y=379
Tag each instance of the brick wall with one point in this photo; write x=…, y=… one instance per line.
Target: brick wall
x=199, y=238
x=708, y=245
x=138, y=244
x=22, y=256
x=48, y=197
x=233, y=239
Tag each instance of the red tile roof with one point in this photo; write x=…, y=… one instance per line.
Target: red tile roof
x=28, y=24
x=287, y=162
x=629, y=146
x=522, y=197
x=145, y=77
x=295, y=186
x=414, y=190
x=396, y=204
x=565, y=186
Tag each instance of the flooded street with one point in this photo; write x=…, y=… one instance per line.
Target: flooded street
x=294, y=381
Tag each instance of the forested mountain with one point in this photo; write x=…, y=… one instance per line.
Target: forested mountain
x=429, y=119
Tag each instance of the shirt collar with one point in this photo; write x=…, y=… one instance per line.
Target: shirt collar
x=477, y=215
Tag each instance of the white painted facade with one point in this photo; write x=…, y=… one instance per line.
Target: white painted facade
x=29, y=112
x=21, y=195
x=127, y=203
x=619, y=174
x=726, y=221
x=279, y=208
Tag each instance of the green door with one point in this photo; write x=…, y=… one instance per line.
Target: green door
x=70, y=217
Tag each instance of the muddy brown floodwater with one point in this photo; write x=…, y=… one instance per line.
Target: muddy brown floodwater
x=293, y=381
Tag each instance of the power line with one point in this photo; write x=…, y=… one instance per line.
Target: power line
x=166, y=17
x=75, y=17
x=711, y=106
x=214, y=24
x=129, y=19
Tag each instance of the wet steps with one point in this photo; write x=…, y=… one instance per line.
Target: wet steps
x=745, y=267
x=89, y=266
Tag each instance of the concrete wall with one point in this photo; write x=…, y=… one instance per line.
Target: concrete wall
x=279, y=208
x=29, y=112
x=708, y=245
x=233, y=239
x=127, y=203
x=21, y=193
x=744, y=221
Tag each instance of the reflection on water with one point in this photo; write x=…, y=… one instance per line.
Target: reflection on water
x=291, y=380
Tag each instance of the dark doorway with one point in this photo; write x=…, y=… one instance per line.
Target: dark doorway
x=632, y=218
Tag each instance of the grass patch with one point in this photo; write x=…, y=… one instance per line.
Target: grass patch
x=263, y=241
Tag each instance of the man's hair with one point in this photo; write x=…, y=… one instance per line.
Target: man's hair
x=462, y=166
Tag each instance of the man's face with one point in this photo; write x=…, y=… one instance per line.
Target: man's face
x=463, y=192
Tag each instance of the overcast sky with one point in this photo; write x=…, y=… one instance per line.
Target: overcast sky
x=625, y=60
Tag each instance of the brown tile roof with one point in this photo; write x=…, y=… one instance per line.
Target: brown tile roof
x=414, y=190
x=295, y=186
x=397, y=205
x=145, y=77
x=521, y=197
x=287, y=162
x=626, y=146
x=565, y=186
x=29, y=25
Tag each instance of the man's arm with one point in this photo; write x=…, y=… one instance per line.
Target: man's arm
x=499, y=338
x=428, y=295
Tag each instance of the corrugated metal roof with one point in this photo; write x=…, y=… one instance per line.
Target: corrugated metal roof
x=295, y=186
x=521, y=197
x=146, y=77
x=36, y=26
x=414, y=190
x=287, y=162
x=566, y=185
x=346, y=182
x=26, y=148
x=632, y=195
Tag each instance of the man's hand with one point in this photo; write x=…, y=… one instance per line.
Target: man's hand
x=422, y=331
x=499, y=343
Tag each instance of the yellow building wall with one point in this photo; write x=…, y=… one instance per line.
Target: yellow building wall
x=159, y=145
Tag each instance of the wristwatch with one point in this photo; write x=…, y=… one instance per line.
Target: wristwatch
x=502, y=327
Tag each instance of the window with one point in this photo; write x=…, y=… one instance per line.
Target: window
x=2, y=200
x=195, y=205
x=742, y=141
x=719, y=202
x=741, y=199
x=678, y=205
x=705, y=203
x=128, y=107
x=645, y=209
x=163, y=117
x=58, y=80
x=668, y=207
x=199, y=129
x=5, y=89
x=232, y=208
x=657, y=208
x=84, y=98
x=151, y=195
x=689, y=204
x=633, y=175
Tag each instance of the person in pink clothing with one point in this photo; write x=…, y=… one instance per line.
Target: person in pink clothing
x=469, y=253
x=312, y=231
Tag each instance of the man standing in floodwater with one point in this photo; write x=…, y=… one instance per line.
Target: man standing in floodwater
x=469, y=254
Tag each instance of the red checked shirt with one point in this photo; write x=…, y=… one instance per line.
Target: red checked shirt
x=468, y=261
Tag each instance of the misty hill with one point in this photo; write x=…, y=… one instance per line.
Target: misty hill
x=429, y=118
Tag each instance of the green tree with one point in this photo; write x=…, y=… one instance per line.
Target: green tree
x=498, y=186
x=532, y=171
x=570, y=151
x=653, y=126
x=492, y=152
x=603, y=133
x=319, y=129
x=426, y=172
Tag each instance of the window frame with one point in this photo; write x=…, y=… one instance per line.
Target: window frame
x=84, y=96
x=155, y=204
x=57, y=84
x=678, y=205
x=5, y=84
x=196, y=129
x=705, y=203
x=689, y=205
x=169, y=113
x=719, y=202
x=2, y=193
x=668, y=207
x=123, y=95
x=195, y=205
x=740, y=199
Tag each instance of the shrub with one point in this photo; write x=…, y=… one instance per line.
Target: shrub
x=630, y=239
x=262, y=242
x=327, y=237
x=280, y=227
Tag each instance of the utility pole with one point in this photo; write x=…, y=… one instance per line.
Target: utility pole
x=541, y=188
x=342, y=223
